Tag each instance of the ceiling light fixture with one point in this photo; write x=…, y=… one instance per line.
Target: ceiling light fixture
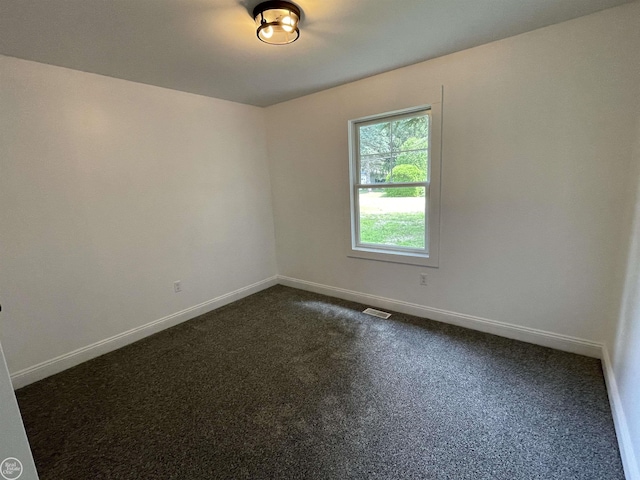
x=277, y=22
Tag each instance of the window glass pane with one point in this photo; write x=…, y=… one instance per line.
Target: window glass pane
x=393, y=216
x=403, y=131
x=410, y=137
x=376, y=168
x=406, y=172
x=375, y=139
x=405, y=167
x=395, y=151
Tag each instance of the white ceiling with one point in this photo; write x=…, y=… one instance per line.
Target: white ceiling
x=209, y=47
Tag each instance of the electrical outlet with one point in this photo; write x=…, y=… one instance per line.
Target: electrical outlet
x=423, y=279
x=177, y=286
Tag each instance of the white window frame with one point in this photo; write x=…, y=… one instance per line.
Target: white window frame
x=429, y=256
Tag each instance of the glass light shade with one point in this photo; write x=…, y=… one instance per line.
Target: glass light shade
x=277, y=22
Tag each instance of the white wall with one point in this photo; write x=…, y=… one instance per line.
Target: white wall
x=624, y=348
x=109, y=192
x=537, y=140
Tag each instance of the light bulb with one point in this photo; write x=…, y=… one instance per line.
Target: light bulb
x=287, y=24
x=267, y=32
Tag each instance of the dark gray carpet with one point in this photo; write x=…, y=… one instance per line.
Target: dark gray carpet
x=289, y=384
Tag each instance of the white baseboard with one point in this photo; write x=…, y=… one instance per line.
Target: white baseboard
x=516, y=332
x=629, y=461
x=55, y=365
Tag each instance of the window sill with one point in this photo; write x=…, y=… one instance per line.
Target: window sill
x=408, y=258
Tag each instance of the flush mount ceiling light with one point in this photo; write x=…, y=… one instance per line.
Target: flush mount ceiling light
x=277, y=22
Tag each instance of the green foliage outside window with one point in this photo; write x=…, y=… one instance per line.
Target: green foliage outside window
x=414, y=153
x=405, y=174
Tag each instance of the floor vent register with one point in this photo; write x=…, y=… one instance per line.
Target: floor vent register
x=376, y=313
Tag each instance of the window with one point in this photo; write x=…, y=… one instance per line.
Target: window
x=395, y=185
